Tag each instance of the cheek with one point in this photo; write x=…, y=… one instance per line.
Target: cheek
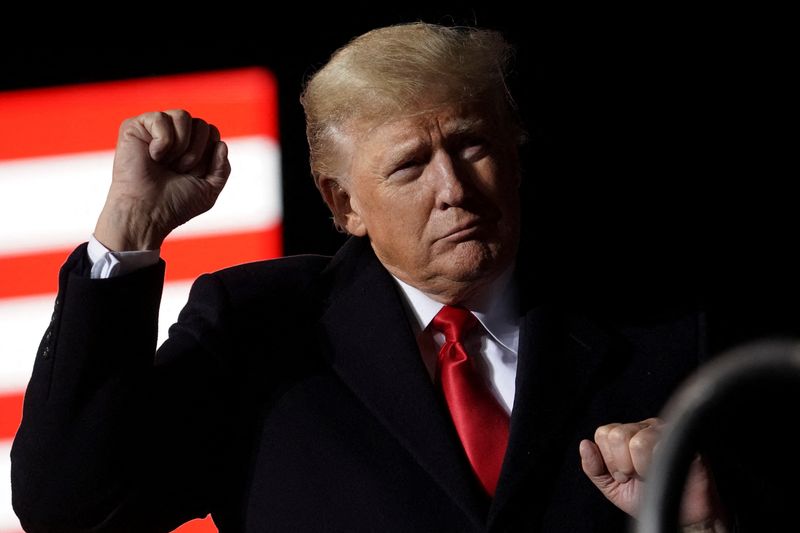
x=406, y=209
x=388, y=219
x=407, y=223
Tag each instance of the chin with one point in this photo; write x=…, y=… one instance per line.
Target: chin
x=472, y=261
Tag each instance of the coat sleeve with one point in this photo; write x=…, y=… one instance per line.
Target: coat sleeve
x=116, y=436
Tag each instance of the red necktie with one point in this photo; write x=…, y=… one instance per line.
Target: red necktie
x=480, y=421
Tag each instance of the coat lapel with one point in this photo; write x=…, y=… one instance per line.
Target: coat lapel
x=383, y=367
x=558, y=357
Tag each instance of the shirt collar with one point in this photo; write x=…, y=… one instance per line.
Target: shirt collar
x=494, y=308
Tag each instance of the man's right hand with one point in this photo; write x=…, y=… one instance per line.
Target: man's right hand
x=168, y=168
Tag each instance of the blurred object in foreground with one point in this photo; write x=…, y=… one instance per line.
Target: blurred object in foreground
x=738, y=411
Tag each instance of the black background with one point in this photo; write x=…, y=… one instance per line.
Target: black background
x=659, y=154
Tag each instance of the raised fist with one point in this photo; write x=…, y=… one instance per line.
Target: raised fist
x=168, y=168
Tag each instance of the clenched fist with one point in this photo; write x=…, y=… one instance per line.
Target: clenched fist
x=617, y=461
x=168, y=168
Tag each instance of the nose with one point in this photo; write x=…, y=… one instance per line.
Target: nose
x=451, y=189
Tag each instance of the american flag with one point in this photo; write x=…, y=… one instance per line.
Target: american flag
x=56, y=153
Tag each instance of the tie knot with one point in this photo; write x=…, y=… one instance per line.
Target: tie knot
x=454, y=322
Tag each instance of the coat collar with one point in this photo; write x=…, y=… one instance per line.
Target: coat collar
x=383, y=367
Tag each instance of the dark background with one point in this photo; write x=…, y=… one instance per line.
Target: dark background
x=658, y=165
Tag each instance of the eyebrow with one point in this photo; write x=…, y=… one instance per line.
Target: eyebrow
x=464, y=125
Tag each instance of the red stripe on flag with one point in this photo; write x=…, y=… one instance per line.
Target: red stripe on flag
x=10, y=414
x=187, y=258
x=29, y=274
x=80, y=118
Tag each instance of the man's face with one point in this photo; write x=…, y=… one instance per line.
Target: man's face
x=437, y=194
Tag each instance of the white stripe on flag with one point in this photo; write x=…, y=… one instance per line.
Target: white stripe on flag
x=53, y=202
x=8, y=520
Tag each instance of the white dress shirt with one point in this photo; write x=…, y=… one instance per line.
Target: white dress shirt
x=106, y=264
x=493, y=346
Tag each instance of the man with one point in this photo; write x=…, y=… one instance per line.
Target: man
x=417, y=381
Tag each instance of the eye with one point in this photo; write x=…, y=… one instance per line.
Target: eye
x=408, y=169
x=411, y=163
x=474, y=149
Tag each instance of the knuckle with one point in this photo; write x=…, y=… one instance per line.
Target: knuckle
x=639, y=444
x=147, y=120
x=602, y=432
x=149, y=115
x=618, y=435
x=653, y=422
x=127, y=124
x=179, y=115
x=156, y=122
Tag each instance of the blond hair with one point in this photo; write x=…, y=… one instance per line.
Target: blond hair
x=390, y=71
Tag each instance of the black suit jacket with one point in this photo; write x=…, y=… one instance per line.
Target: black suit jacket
x=291, y=396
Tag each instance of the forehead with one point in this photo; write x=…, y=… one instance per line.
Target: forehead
x=441, y=120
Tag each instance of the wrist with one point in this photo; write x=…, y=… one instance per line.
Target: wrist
x=122, y=228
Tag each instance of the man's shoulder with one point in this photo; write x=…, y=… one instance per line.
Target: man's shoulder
x=287, y=286
x=285, y=274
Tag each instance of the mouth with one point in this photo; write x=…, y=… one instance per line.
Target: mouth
x=465, y=231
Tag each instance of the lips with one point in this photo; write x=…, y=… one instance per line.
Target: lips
x=464, y=231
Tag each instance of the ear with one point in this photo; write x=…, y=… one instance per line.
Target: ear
x=345, y=214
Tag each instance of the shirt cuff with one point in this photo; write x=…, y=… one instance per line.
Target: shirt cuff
x=108, y=264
